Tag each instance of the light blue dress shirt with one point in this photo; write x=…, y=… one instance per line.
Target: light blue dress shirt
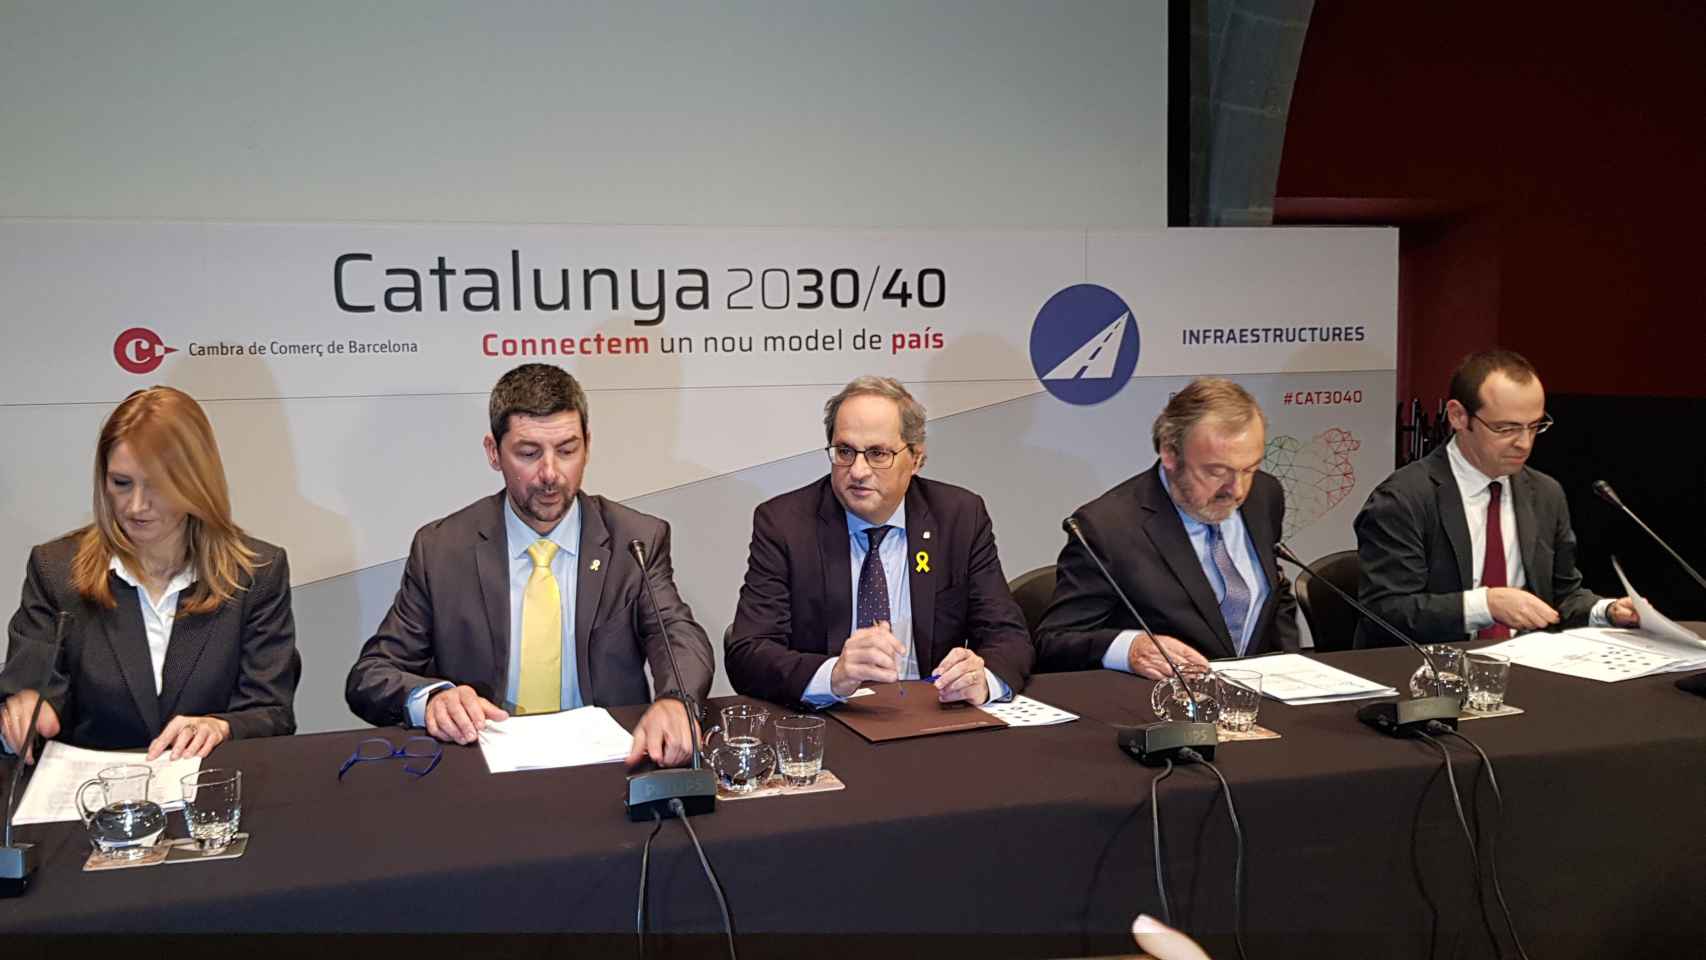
x=518, y=537
x=1244, y=559
x=892, y=555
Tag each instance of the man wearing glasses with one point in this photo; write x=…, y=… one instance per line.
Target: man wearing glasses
x=1191, y=543
x=529, y=601
x=875, y=574
x=1469, y=541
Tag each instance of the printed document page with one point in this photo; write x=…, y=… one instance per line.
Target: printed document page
x=51, y=795
x=570, y=738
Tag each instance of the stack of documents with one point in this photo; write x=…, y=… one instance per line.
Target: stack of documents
x=52, y=794
x=1661, y=645
x=1025, y=712
x=571, y=738
x=1296, y=680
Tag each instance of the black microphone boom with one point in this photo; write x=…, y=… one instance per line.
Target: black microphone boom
x=18, y=862
x=1402, y=718
x=655, y=792
x=1610, y=496
x=1156, y=743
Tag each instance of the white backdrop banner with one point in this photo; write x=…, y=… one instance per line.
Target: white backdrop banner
x=346, y=369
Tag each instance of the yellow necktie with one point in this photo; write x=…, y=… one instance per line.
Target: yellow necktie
x=541, y=635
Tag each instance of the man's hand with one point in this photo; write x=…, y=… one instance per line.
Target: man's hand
x=871, y=653
x=190, y=737
x=15, y=720
x=1519, y=609
x=1146, y=661
x=960, y=677
x=1622, y=613
x=663, y=734
x=457, y=715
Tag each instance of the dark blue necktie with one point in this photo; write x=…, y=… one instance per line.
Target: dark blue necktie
x=873, y=600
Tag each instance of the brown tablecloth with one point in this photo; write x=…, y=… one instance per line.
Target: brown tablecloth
x=1020, y=842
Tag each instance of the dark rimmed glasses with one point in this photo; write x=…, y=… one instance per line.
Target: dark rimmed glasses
x=1509, y=431
x=879, y=458
x=415, y=752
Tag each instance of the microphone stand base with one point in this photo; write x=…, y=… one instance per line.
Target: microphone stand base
x=653, y=790
x=1405, y=718
x=1156, y=743
x=16, y=865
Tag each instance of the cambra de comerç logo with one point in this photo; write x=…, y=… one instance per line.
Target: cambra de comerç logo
x=140, y=350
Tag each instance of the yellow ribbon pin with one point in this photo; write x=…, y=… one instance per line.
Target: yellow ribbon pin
x=923, y=560
x=595, y=566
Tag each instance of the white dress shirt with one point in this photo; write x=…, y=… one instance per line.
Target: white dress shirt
x=1473, y=487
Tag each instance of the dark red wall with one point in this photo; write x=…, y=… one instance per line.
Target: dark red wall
x=1547, y=165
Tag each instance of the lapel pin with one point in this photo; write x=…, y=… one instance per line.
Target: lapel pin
x=595, y=565
x=926, y=534
x=922, y=562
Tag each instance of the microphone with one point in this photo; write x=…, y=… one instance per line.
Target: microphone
x=1401, y=718
x=1610, y=496
x=1157, y=743
x=663, y=793
x=18, y=862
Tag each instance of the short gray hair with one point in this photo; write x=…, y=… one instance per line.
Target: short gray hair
x=1205, y=398
x=911, y=411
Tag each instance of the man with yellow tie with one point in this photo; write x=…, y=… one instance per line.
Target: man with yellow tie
x=530, y=600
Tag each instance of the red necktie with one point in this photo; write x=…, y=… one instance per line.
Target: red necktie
x=1493, y=561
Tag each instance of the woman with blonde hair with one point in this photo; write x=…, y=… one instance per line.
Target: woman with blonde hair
x=179, y=633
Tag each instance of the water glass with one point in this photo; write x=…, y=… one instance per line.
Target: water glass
x=1169, y=701
x=213, y=807
x=1489, y=674
x=1449, y=683
x=799, y=748
x=1240, y=695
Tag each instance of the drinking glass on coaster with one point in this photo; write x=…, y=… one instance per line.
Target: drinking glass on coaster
x=744, y=761
x=1170, y=702
x=1240, y=695
x=213, y=806
x=1450, y=682
x=1489, y=674
x=127, y=823
x=799, y=748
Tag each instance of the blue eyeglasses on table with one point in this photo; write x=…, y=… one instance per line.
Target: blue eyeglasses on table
x=414, y=750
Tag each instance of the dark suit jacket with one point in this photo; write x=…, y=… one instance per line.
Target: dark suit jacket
x=238, y=663
x=796, y=606
x=1413, y=541
x=450, y=620
x=1136, y=529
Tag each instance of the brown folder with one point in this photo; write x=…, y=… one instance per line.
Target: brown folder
x=897, y=711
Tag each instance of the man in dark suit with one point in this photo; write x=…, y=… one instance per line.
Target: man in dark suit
x=874, y=574
x=1191, y=543
x=532, y=595
x=1469, y=541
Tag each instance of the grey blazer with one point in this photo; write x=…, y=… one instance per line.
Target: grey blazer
x=450, y=620
x=238, y=663
x=1413, y=541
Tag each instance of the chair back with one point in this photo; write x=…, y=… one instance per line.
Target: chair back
x=1332, y=621
x=1033, y=590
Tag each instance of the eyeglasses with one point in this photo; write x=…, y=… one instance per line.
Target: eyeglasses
x=414, y=750
x=1508, y=431
x=879, y=458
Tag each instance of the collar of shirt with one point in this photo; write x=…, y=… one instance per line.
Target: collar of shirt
x=566, y=534
x=1194, y=528
x=856, y=527
x=1471, y=482
x=177, y=584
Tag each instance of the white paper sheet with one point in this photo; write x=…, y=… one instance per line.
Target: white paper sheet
x=1600, y=653
x=1655, y=623
x=1294, y=679
x=571, y=738
x=1025, y=712
x=51, y=795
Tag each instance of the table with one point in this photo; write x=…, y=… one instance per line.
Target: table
x=1025, y=842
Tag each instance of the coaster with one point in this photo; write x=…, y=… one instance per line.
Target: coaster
x=1505, y=710
x=777, y=787
x=156, y=854
x=184, y=851
x=1257, y=732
